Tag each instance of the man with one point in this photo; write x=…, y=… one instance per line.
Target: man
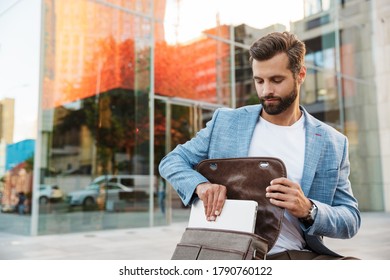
x=317, y=193
x=21, y=203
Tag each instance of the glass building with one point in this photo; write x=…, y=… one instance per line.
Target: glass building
x=93, y=93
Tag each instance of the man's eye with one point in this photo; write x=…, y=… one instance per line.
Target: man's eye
x=278, y=81
x=259, y=81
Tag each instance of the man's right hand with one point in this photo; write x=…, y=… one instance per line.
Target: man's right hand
x=213, y=197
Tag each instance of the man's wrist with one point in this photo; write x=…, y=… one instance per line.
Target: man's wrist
x=308, y=220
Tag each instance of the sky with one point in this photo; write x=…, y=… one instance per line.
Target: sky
x=198, y=15
x=19, y=60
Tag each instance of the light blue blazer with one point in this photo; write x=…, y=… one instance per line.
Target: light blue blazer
x=325, y=175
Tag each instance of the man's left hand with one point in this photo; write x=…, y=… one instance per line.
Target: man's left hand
x=289, y=195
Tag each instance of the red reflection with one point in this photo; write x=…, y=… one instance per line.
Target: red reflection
x=92, y=48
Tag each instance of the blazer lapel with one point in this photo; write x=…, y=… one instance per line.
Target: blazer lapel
x=313, y=147
x=246, y=124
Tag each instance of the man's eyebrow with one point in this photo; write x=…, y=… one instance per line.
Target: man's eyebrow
x=272, y=77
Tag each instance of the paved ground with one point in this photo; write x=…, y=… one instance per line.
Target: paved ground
x=157, y=243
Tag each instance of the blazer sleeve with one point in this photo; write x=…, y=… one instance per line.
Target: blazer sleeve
x=177, y=167
x=341, y=217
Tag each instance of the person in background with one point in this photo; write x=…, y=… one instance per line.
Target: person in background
x=21, y=203
x=161, y=194
x=317, y=193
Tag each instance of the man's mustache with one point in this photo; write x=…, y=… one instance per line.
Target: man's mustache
x=270, y=97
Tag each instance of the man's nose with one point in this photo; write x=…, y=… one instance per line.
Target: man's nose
x=267, y=88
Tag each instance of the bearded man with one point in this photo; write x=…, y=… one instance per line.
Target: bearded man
x=316, y=194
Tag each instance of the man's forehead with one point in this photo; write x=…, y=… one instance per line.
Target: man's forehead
x=270, y=68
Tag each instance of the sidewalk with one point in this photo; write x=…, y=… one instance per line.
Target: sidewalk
x=158, y=243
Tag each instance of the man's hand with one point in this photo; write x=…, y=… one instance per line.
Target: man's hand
x=213, y=197
x=289, y=195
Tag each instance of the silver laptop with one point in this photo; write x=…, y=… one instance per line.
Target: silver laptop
x=238, y=215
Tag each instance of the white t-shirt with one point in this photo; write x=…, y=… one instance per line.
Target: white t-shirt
x=288, y=144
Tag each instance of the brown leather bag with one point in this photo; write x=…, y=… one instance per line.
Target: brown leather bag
x=247, y=178
x=219, y=244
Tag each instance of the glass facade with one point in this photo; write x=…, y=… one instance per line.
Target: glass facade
x=122, y=82
x=340, y=87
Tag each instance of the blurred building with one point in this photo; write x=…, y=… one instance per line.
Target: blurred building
x=113, y=97
x=347, y=85
x=7, y=120
x=6, y=129
x=19, y=152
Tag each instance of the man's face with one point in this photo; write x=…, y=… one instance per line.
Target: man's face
x=276, y=87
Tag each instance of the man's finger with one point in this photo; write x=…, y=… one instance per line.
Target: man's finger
x=209, y=203
x=219, y=201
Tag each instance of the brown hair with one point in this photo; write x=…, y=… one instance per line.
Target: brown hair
x=274, y=43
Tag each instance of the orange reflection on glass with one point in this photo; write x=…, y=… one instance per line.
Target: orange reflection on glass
x=198, y=70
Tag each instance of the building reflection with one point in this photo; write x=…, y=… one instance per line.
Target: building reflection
x=101, y=61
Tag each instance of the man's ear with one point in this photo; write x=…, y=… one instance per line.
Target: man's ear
x=302, y=74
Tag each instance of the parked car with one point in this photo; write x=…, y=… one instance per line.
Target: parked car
x=110, y=187
x=89, y=196
x=50, y=193
x=8, y=209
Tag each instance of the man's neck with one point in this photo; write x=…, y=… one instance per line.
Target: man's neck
x=286, y=118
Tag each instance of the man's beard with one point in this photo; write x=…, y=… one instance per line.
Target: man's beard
x=282, y=105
